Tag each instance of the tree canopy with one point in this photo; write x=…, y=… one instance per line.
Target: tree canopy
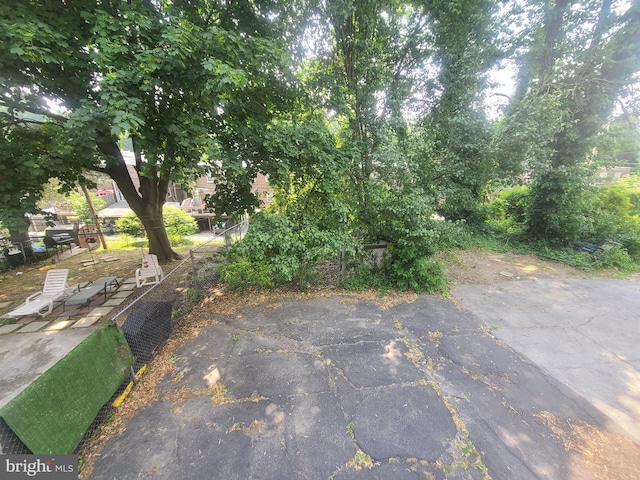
x=182, y=80
x=369, y=117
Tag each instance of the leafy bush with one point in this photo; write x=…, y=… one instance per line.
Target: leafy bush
x=363, y=277
x=406, y=219
x=616, y=216
x=130, y=225
x=566, y=255
x=243, y=274
x=405, y=268
x=419, y=276
x=178, y=223
x=561, y=206
x=508, y=211
x=284, y=253
x=616, y=257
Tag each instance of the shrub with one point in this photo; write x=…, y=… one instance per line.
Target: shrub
x=405, y=269
x=243, y=274
x=177, y=222
x=561, y=206
x=130, y=225
x=616, y=257
x=287, y=253
x=508, y=211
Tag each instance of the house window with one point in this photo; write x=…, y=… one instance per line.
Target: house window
x=209, y=179
x=269, y=197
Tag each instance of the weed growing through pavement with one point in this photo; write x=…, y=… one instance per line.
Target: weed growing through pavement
x=435, y=337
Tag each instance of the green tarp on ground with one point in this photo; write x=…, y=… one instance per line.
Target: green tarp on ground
x=52, y=414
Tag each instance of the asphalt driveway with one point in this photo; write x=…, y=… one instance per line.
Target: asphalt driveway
x=584, y=333
x=340, y=388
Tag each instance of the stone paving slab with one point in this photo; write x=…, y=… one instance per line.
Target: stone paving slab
x=4, y=329
x=85, y=322
x=122, y=294
x=100, y=312
x=59, y=325
x=114, y=302
x=33, y=327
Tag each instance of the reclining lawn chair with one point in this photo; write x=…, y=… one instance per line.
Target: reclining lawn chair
x=150, y=272
x=55, y=289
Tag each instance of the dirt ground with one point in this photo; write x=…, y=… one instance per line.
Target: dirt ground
x=484, y=267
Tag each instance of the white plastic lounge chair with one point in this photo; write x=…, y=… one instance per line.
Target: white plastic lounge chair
x=150, y=272
x=41, y=303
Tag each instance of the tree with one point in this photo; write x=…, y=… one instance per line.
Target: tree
x=619, y=143
x=579, y=62
x=29, y=156
x=79, y=203
x=180, y=79
x=464, y=48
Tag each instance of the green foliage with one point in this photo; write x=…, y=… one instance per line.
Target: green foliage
x=177, y=222
x=398, y=273
x=186, y=82
x=566, y=255
x=243, y=274
x=272, y=243
x=616, y=257
x=617, y=215
x=560, y=207
x=405, y=269
x=452, y=235
x=130, y=225
x=363, y=277
x=611, y=256
x=78, y=203
x=600, y=216
x=508, y=211
x=619, y=143
x=28, y=158
x=285, y=253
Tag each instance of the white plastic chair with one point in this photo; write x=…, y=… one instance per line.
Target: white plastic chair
x=41, y=303
x=150, y=272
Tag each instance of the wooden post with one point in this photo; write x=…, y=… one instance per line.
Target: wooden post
x=94, y=216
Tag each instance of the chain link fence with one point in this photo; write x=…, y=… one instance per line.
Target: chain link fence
x=149, y=319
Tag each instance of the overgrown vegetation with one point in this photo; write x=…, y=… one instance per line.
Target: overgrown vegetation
x=372, y=120
x=604, y=233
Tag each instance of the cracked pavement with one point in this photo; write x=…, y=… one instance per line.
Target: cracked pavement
x=339, y=388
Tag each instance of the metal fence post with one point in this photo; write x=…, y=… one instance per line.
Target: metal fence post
x=194, y=269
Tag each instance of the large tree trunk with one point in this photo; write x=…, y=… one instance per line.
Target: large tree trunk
x=605, y=70
x=151, y=218
x=146, y=202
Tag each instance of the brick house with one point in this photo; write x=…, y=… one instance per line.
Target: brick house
x=607, y=176
x=192, y=202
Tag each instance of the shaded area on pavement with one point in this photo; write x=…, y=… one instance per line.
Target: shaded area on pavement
x=339, y=388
